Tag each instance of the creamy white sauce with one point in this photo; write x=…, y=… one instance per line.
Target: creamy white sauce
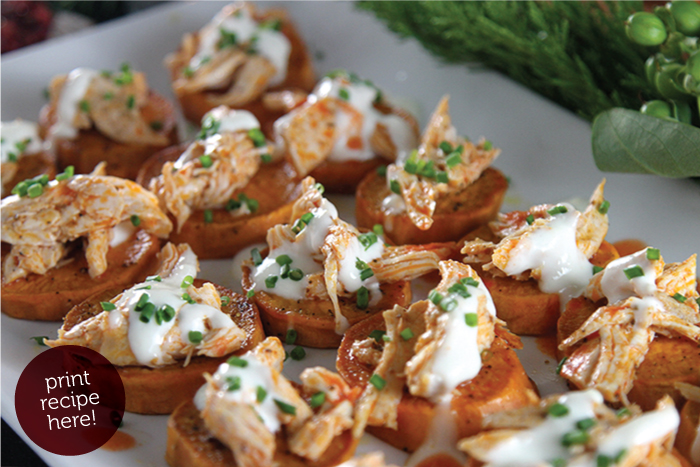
x=73, y=91
x=442, y=437
x=393, y=204
x=615, y=284
x=271, y=44
x=121, y=233
x=19, y=132
x=349, y=274
x=231, y=120
x=551, y=251
x=255, y=374
x=147, y=340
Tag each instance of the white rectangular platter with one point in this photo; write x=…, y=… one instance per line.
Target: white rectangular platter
x=546, y=154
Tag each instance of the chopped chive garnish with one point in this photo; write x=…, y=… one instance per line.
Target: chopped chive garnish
x=167, y=312
x=344, y=94
x=557, y=210
x=307, y=217
x=286, y=408
x=283, y=259
x=469, y=281
x=145, y=287
x=20, y=189
x=250, y=293
x=367, y=239
x=43, y=180
x=237, y=361
x=225, y=300
x=67, y=173
x=362, y=298
x=557, y=410
x=435, y=297
x=620, y=455
x=377, y=381
x=232, y=205
x=530, y=219
x=453, y=159
x=195, y=337
x=575, y=437
x=156, y=125
x=488, y=145
x=257, y=258
x=407, y=334
x=228, y=39
x=208, y=216
x=188, y=72
x=653, y=254
x=135, y=220
x=147, y=312
x=260, y=394
x=210, y=126
x=143, y=299
x=296, y=275
x=395, y=187
x=271, y=281
x=560, y=365
x=679, y=298
x=448, y=304
x=633, y=271
x=154, y=278
x=377, y=335
x=108, y=306
x=317, y=400
x=381, y=170
x=597, y=269
x=206, y=161
x=233, y=383
x=266, y=158
x=446, y=147
x=472, y=319
x=604, y=206
x=297, y=353
x=130, y=101
x=257, y=136
x=442, y=177
x=586, y=423
x=366, y=274
x=84, y=106
x=602, y=460
x=35, y=190
x=386, y=338
x=186, y=297
x=284, y=271
x=186, y=282
x=378, y=229
x=291, y=337
x=623, y=412
x=558, y=462
x=319, y=188
x=410, y=166
x=12, y=157
x=360, y=265
x=459, y=289
x=39, y=340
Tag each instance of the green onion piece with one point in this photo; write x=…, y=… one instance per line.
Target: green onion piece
x=435, y=297
x=429, y=170
x=154, y=278
x=557, y=210
x=679, y=298
x=395, y=187
x=442, y=177
x=274, y=24
x=156, y=125
x=206, y=161
x=210, y=126
x=362, y=298
x=271, y=281
x=186, y=282
x=195, y=337
x=237, y=361
x=560, y=365
x=283, y=259
x=633, y=271
x=307, y=217
x=367, y=239
x=317, y=400
x=653, y=254
x=344, y=94
x=20, y=189
x=453, y=159
x=168, y=313
x=296, y=275
x=319, y=188
x=22, y=145
x=35, y=190
x=12, y=157
x=43, y=180
x=232, y=204
x=147, y=312
x=377, y=381
x=159, y=317
x=472, y=319
x=366, y=274
x=406, y=334
x=84, y=106
x=575, y=437
x=602, y=460
x=448, y=304
x=530, y=219
x=557, y=410
x=597, y=269
x=208, y=216
x=225, y=300
x=381, y=170
x=623, y=412
x=558, y=462
x=145, y=287
x=233, y=383
x=130, y=101
x=620, y=455
x=459, y=289
x=286, y=408
x=257, y=136
x=257, y=258
x=143, y=299
x=446, y=147
x=284, y=271
x=228, y=39
x=488, y=145
x=186, y=297
x=260, y=394
x=39, y=340
x=377, y=335
x=297, y=353
x=266, y=158
x=604, y=206
x=360, y=265
x=386, y=338
x=250, y=293
x=586, y=423
x=410, y=167
x=469, y=281
x=291, y=337
x=378, y=229
x=67, y=173
x=108, y=306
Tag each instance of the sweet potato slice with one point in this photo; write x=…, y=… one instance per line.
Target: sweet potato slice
x=161, y=390
x=51, y=296
x=123, y=160
x=681, y=459
x=274, y=187
x=314, y=320
x=30, y=166
x=500, y=385
x=455, y=215
x=190, y=445
x=688, y=438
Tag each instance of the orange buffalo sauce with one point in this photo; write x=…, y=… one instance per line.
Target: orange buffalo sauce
x=629, y=246
x=119, y=442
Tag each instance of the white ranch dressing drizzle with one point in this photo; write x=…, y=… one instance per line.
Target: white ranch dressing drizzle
x=121, y=233
x=148, y=339
x=255, y=374
x=73, y=91
x=442, y=437
x=271, y=44
x=19, y=132
x=615, y=284
x=349, y=274
x=393, y=204
x=361, y=97
x=552, y=250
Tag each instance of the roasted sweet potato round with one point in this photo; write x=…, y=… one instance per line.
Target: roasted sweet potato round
x=500, y=385
x=50, y=296
x=30, y=166
x=123, y=159
x=689, y=432
x=161, y=390
x=455, y=215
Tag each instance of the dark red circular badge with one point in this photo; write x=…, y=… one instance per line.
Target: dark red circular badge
x=70, y=400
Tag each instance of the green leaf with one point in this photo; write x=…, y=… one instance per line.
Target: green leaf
x=628, y=141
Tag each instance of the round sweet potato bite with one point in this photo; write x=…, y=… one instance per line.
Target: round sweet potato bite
x=433, y=372
x=688, y=438
x=533, y=262
x=438, y=192
x=321, y=274
x=73, y=237
x=634, y=334
x=225, y=189
x=248, y=413
x=150, y=329
x=23, y=154
x=236, y=58
x=112, y=117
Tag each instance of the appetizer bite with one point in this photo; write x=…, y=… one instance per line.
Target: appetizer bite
x=635, y=332
x=688, y=439
x=68, y=239
x=149, y=329
x=436, y=193
x=248, y=414
x=345, y=129
x=224, y=191
x=321, y=274
x=95, y=116
x=432, y=372
x=237, y=57
x=23, y=154
x=577, y=429
x=533, y=262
